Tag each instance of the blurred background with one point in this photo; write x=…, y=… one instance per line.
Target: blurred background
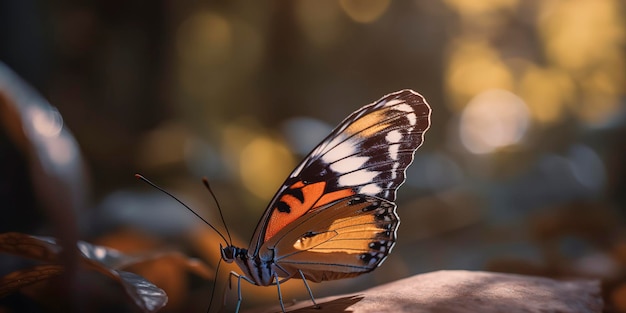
x=522, y=171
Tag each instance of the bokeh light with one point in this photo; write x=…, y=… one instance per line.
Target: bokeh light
x=587, y=167
x=46, y=122
x=62, y=151
x=47, y=125
x=258, y=160
x=578, y=33
x=319, y=20
x=547, y=93
x=474, y=66
x=205, y=37
x=493, y=119
x=474, y=8
x=586, y=39
x=303, y=133
x=364, y=11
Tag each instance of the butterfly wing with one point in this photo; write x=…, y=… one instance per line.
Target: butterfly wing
x=367, y=154
x=342, y=239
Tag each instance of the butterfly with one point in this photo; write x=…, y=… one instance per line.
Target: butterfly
x=334, y=217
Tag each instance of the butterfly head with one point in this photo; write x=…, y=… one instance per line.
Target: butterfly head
x=230, y=253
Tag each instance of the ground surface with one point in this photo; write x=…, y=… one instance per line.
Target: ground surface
x=465, y=291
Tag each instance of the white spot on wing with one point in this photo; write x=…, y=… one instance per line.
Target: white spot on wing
x=412, y=119
x=404, y=107
x=392, y=102
x=357, y=178
x=342, y=150
x=393, y=152
x=327, y=145
x=394, y=170
x=348, y=164
x=371, y=189
x=393, y=136
x=410, y=113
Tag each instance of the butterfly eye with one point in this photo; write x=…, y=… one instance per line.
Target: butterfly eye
x=228, y=254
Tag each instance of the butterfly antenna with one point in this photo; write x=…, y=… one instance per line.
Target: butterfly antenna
x=205, y=181
x=217, y=270
x=139, y=176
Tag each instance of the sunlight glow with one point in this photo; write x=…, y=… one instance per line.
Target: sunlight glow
x=319, y=20
x=62, y=150
x=472, y=7
x=204, y=37
x=46, y=122
x=492, y=120
x=475, y=66
x=579, y=33
x=264, y=163
x=547, y=92
x=364, y=11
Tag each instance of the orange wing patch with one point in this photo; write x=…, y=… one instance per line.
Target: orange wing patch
x=333, y=196
x=369, y=124
x=298, y=199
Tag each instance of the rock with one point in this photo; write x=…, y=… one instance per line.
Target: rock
x=465, y=291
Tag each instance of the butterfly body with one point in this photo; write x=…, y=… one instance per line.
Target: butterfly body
x=335, y=216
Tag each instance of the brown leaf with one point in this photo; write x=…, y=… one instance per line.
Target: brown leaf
x=148, y=297
x=18, y=279
x=107, y=261
x=193, y=265
x=29, y=247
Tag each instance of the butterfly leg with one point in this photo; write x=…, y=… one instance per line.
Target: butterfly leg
x=239, y=297
x=309, y=290
x=230, y=286
x=280, y=294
